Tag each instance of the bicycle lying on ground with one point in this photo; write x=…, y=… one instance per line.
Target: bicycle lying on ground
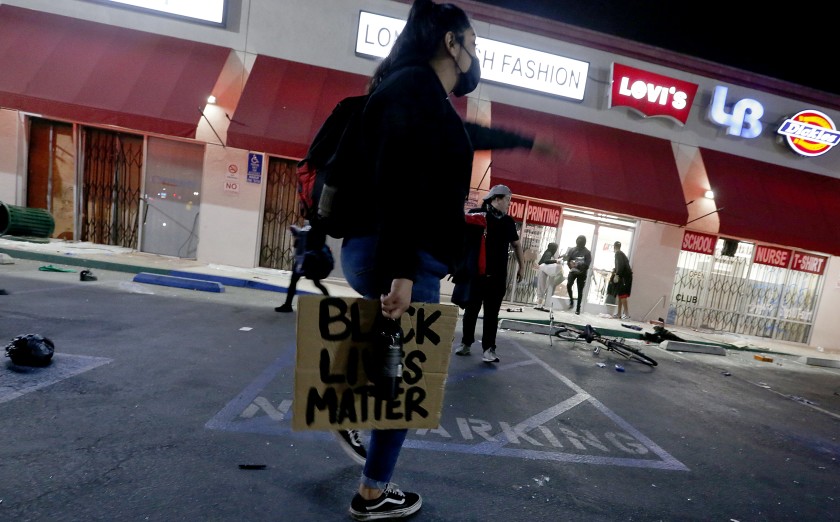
x=589, y=334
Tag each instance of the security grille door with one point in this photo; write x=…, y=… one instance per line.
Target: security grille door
x=111, y=180
x=280, y=211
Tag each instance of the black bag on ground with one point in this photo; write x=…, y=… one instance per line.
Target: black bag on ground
x=30, y=350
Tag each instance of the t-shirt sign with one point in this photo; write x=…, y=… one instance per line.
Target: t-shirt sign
x=335, y=354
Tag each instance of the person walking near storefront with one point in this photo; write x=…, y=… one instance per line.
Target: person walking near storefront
x=410, y=222
x=578, y=259
x=546, y=277
x=622, y=279
x=487, y=290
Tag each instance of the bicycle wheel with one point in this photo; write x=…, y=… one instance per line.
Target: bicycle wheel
x=568, y=334
x=629, y=352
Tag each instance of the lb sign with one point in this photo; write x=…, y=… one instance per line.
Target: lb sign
x=809, y=133
x=651, y=94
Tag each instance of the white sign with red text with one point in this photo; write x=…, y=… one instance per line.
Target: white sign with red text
x=651, y=94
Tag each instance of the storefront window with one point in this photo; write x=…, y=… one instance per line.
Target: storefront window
x=727, y=292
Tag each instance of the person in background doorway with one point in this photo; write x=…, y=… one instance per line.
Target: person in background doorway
x=578, y=259
x=488, y=289
x=546, y=272
x=622, y=279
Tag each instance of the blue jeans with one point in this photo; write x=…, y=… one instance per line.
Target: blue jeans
x=357, y=262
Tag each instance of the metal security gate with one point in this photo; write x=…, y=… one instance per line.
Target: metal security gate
x=280, y=211
x=111, y=183
x=725, y=293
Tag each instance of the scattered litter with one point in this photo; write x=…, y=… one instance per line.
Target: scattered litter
x=50, y=268
x=801, y=399
x=245, y=329
x=763, y=358
x=135, y=288
x=726, y=374
x=3, y=292
x=602, y=315
x=252, y=466
x=632, y=327
x=619, y=368
x=601, y=365
x=514, y=309
x=87, y=275
x=762, y=385
x=6, y=259
x=542, y=481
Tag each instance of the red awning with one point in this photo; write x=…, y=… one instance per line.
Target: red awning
x=284, y=104
x=774, y=204
x=88, y=72
x=609, y=170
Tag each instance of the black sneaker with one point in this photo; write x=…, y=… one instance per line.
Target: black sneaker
x=351, y=443
x=393, y=503
x=284, y=308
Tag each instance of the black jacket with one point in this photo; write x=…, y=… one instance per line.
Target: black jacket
x=419, y=153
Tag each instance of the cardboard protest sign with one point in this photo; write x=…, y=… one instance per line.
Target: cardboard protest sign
x=335, y=355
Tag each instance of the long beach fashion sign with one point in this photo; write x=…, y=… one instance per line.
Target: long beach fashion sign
x=500, y=62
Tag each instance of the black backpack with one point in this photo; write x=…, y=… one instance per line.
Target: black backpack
x=325, y=175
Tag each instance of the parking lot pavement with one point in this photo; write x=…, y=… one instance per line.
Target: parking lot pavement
x=157, y=395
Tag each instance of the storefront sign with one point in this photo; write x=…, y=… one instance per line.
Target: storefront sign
x=743, y=119
x=699, y=242
x=538, y=213
x=500, y=62
x=811, y=263
x=810, y=133
x=651, y=94
x=765, y=255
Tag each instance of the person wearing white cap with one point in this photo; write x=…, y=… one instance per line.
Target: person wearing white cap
x=488, y=289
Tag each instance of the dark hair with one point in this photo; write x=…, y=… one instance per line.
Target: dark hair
x=419, y=40
x=580, y=241
x=617, y=244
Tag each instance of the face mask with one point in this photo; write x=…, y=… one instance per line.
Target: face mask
x=468, y=81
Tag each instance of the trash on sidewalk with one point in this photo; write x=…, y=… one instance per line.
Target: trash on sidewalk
x=762, y=358
x=87, y=275
x=51, y=268
x=632, y=327
x=252, y=466
x=6, y=259
x=619, y=368
x=30, y=350
x=514, y=309
x=601, y=365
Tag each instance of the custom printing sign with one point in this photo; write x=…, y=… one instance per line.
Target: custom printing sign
x=809, y=133
x=651, y=94
x=538, y=213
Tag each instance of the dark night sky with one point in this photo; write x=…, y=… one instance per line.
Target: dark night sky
x=748, y=35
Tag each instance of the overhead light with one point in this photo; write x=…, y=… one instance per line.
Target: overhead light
x=212, y=99
x=709, y=195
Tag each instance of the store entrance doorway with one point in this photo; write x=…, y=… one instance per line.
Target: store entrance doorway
x=601, y=232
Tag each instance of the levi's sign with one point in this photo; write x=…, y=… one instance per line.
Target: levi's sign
x=809, y=133
x=699, y=242
x=500, y=62
x=651, y=94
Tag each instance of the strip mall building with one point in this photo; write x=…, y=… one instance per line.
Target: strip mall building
x=105, y=120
